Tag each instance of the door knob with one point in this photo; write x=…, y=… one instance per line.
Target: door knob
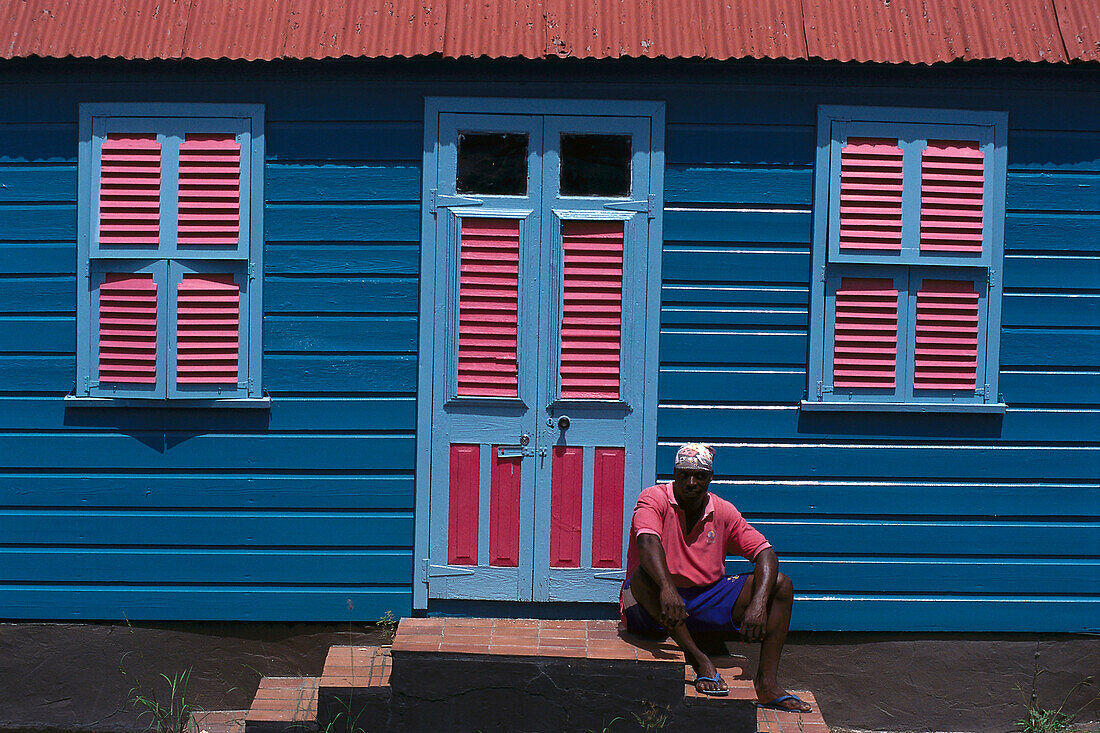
x=563, y=422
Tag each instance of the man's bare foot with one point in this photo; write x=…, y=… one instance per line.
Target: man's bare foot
x=705, y=668
x=770, y=695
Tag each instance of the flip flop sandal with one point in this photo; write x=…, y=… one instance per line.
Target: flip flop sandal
x=774, y=704
x=716, y=679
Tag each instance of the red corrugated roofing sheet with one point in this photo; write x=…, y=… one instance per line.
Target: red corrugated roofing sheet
x=889, y=31
x=901, y=30
x=1079, y=21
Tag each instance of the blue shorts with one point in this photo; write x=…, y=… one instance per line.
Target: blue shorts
x=709, y=607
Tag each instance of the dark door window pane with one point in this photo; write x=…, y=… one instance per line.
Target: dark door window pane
x=595, y=165
x=492, y=163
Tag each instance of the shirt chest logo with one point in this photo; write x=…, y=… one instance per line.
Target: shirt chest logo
x=710, y=537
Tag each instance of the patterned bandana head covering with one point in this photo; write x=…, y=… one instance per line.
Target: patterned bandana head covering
x=695, y=457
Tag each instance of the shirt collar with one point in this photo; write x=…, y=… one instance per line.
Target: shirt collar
x=707, y=511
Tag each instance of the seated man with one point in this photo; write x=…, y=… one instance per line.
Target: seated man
x=676, y=583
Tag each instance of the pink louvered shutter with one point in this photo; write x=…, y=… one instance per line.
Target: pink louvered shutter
x=946, y=349
x=488, y=308
x=207, y=329
x=209, y=190
x=870, y=195
x=129, y=191
x=865, y=340
x=128, y=329
x=952, y=182
x=591, y=325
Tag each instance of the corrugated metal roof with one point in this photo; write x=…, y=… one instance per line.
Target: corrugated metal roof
x=890, y=31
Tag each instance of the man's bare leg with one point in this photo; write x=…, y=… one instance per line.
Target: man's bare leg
x=766, y=680
x=647, y=593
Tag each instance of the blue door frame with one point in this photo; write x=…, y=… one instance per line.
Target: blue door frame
x=529, y=421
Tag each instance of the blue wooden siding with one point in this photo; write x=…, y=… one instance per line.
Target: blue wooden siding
x=902, y=522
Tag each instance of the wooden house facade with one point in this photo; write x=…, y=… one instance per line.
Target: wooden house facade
x=295, y=339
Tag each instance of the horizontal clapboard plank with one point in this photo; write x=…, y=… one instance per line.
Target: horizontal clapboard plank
x=45, y=294
x=341, y=334
x=341, y=294
x=340, y=223
x=38, y=182
x=244, y=491
x=711, y=265
x=689, y=144
x=976, y=538
x=738, y=185
x=944, y=575
x=332, y=258
x=717, y=225
x=204, y=566
x=196, y=603
x=20, y=373
x=38, y=142
x=31, y=223
x=1050, y=310
x=1052, y=231
x=738, y=347
x=344, y=141
x=939, y=613
x=735, y=295
x=341, y=182
x=880, y=498
x=676, y=384
x=357, y=414
x=1078, y=192
x=760, y=423
x=924, y=461
x=205, y=528
x=1048, y=271
x=1077, y=348
x=47, y=258
x=310, y=374
x=39, y=334
x=1050, y=387
x=186, y=451
x=723, y=315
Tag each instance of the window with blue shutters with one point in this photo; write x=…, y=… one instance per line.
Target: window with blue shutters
x=908, y=243
x=170, y=245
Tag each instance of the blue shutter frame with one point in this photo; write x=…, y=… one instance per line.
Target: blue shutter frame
x=913, y=128
x=171, y=122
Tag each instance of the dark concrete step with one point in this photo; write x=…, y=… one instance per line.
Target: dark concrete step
x=283, y=705
x=545, y=675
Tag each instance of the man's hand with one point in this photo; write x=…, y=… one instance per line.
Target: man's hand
x=755, y=621
x=673, y=611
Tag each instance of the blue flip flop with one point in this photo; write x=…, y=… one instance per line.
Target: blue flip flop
x=716, y=679
x=774, y=704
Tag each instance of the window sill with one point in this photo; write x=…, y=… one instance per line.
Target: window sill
x=997, y=408
x=261, y=403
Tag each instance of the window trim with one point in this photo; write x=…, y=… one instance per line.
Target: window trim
x=248, y=258
x=816, y=398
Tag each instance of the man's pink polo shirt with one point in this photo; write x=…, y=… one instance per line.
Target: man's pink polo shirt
x=700, y=557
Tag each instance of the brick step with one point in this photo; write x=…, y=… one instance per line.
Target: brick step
x=283, y=705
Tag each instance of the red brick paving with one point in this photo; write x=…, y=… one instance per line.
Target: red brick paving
x=356, y=666
x=285, y=699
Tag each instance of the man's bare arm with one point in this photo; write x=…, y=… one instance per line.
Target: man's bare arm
x=652, y=555
x=763, y=583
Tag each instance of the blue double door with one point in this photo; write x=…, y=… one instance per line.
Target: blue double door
x=541, y=354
